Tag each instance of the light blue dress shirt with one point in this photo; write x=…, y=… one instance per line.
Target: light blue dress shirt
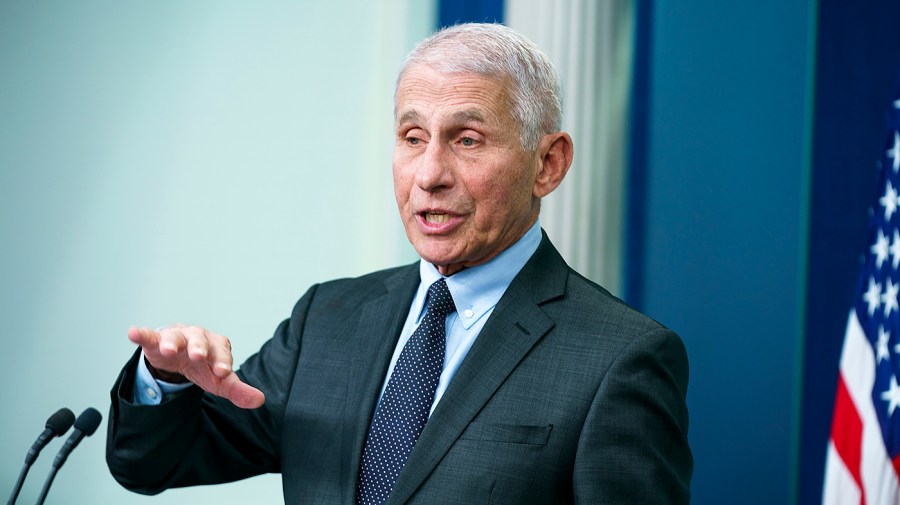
x=150, y=391
x=475, y=291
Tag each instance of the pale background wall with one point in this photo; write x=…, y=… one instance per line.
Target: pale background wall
x=198, y=161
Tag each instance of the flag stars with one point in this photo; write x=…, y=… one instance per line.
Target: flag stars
x=892, y=396
x=880, y=249
x=894, y=152
x=882, y=347
x=889, y=201
x=895, y=250
x=872, y=296
x=889, y=297
x=864, y=439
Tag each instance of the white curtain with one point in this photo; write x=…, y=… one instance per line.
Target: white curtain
x=591, y=43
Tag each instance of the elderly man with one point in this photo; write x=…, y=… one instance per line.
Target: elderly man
x=487, y=372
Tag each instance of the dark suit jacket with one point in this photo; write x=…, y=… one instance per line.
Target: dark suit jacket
x=567, y=396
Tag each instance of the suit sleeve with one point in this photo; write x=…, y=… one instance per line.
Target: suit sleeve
x=634, y=448
x=196, y=438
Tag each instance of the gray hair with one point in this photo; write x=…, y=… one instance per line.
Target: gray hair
x=496, y=51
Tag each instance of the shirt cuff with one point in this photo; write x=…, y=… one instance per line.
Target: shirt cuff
x=149, y=390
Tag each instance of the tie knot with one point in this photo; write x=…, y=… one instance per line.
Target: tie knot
x=439, y=300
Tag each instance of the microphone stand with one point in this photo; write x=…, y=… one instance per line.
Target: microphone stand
x=47, y=483
x=18, y=487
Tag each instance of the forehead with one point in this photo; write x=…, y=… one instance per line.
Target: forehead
x=423, y=91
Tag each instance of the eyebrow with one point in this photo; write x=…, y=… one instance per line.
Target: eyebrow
x=463, y=116
x=410, y=116
x=468, y=115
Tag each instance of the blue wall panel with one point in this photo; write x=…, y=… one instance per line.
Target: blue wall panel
x=724, y=237
x=452, y=12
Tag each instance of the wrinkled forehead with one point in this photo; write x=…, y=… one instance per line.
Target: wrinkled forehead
x=422, y=86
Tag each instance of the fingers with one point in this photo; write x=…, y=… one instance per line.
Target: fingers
x=143, y=337
x=173, y=340
x=190, y=340
x=174, y=348
x=197, y=344
x=219, y=356
x=202, y=356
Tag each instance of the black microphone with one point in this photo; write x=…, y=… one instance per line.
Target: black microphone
x=57, y=425
x=85, y=426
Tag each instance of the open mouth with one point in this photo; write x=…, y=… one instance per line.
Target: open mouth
x=435, y=217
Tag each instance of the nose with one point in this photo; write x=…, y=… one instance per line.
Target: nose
x=434, y=170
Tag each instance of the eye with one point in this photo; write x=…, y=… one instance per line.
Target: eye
x=412, y=136
x=467, y=141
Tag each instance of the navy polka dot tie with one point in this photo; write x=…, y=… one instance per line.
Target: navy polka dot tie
x=403, y=411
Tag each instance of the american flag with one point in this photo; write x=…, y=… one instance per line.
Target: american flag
x=863, y=459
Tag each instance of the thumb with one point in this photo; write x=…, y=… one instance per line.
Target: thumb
x=240, y=393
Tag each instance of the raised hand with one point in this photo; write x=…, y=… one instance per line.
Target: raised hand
x=181, y=353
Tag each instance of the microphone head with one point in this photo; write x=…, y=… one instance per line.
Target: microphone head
x=88, y=421
x=60, y=422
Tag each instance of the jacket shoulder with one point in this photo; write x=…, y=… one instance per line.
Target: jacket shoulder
x=352, y=291
x=596, y=300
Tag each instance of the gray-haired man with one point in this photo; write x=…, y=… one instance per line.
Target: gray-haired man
x=488, y=372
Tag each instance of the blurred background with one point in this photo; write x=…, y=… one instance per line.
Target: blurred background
x=207, y=161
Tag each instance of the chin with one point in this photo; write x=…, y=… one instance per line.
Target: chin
x=438, y=260
x=436, y=254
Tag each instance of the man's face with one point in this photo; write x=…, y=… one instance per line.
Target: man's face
x=463, y=182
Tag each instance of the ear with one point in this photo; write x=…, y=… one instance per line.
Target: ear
x=555, y=152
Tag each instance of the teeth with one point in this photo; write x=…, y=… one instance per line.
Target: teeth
x=431, y=217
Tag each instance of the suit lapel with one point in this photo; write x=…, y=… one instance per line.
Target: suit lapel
x=515, y=325
x=380, y=322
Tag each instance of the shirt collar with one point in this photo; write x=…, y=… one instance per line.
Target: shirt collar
x=476, y=290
